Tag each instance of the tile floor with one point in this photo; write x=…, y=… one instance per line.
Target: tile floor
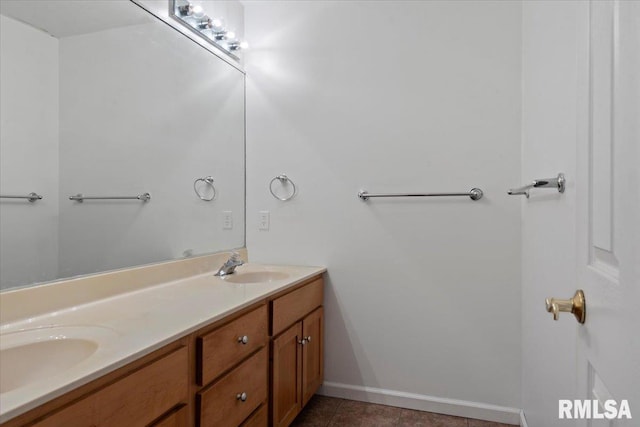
x=328, y=412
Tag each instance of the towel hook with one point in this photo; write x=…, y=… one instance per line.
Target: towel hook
x=283, y=179
x=559, y=183
x=209, y=181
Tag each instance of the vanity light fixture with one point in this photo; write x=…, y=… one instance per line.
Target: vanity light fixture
x=213, y=30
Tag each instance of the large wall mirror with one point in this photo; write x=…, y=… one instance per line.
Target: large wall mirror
x=101, y=98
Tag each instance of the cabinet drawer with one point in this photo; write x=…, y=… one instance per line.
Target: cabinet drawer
x=219, y=405
x=134, y=400
x=293, y=306
x=219, y=350
x=260, y=418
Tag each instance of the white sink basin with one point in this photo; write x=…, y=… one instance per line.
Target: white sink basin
x=29, y=356
x=256, y=277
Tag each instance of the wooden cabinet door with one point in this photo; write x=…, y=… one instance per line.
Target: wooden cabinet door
x=286, y=376
x=312, y=354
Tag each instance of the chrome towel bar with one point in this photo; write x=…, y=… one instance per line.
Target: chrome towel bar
x=145, y=197
x=32, y=197
x=473, y=194
x=557, y=183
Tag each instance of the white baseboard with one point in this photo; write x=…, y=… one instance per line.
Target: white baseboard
x=420, y=402
x=523, y=420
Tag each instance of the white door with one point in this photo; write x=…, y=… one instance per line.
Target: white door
x=608, y=208
x=581, y=116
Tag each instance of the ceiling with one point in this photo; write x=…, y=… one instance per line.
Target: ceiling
x=65, y=18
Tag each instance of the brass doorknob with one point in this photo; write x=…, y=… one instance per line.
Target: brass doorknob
x=575, y=305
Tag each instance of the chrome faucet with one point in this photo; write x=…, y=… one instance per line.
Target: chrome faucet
x=229, y=267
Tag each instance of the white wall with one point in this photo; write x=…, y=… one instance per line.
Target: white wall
x=423, y=295
x=28, y=154
x=166, y=112
x=549, y=112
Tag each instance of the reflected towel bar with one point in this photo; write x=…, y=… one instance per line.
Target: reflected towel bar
x=145, y=197
x=32, y=197
x=473, y=194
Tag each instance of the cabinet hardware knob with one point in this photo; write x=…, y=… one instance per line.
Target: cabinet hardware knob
x=575, y=305
x=303, y=341
x=308, y=338
x=241, y=396
x=243, y=339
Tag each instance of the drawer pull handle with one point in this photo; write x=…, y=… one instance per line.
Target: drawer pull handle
x=243, y=339
x=241, y=396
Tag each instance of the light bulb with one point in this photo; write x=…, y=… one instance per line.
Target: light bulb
x=225, y=35
x=217, y=24
x=233, y=46
x=194, y=10
x=197, y=11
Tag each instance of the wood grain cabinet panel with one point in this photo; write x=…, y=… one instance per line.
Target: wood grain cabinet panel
x=260, y=418
x=135, y=400
x=220, y=404
x=293, y=306
x=176, y=418
x=297, y=369
x=286, y=376
x=224, y=347
x=312, y=354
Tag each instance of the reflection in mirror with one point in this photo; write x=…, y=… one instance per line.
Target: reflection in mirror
x=215, y=30
x=103, y=99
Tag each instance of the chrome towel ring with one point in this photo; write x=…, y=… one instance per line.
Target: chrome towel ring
x=283, y=180
x=209, y=181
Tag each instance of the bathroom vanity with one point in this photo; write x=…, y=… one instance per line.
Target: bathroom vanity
x=256, y=361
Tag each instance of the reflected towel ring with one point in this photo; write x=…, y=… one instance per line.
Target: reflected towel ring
x=209, y=181
x=283, y=179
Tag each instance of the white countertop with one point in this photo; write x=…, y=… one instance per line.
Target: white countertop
x=140, y=322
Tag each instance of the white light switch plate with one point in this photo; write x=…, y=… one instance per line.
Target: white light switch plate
x=263, y=222
x=227, y=220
